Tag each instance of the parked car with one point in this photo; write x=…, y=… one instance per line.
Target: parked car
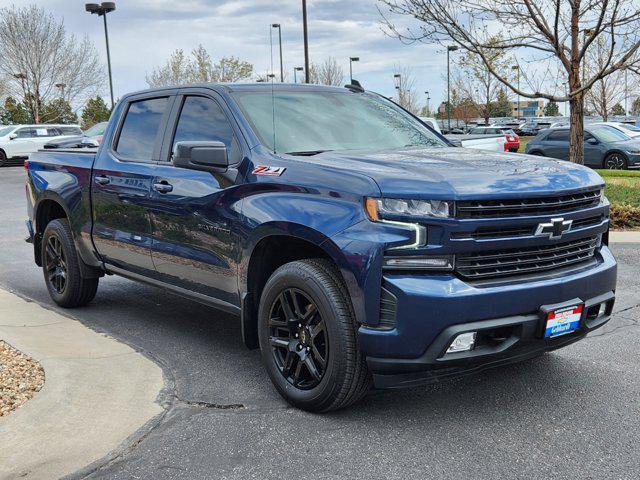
x=20, y=141
x=432, y=122
x=478, y=142
x=528, y=129
x=512, y=141
x=604, y=147
x=91, y=138
x=629, y=130
x=355, y=244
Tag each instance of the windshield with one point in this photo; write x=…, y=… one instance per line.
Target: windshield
x=312, y=121
x=6, y=131
x=608, y=134
x=631, y=128
x=97, y=129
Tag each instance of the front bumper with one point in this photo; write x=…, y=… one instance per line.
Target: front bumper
x=431, y=310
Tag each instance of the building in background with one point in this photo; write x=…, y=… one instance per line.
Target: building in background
x=527, y=108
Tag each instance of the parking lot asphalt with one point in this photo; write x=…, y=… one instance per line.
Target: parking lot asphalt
x=574, y=413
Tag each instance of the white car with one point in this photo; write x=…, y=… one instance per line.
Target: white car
x=19, y=141
x=631, y=130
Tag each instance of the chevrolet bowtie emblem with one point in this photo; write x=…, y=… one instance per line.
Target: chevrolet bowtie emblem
x=555, y=228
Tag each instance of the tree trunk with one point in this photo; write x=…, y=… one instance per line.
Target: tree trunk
x=576, y=131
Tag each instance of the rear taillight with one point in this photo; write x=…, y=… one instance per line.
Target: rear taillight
x=26, y=164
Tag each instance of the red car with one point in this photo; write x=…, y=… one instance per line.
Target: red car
x=512, y=141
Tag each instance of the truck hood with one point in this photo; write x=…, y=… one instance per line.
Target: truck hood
x=459, y=173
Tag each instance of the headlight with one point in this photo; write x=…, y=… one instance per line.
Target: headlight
x=380, y=208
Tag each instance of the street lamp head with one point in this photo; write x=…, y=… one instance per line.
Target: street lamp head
x=102, y=9
x=298, y=69
x=92, y=7
x=397, y=75
x=275, y=25
x=452, y=48
x=354, y=59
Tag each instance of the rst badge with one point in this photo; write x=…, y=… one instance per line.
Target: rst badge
x=267, y=170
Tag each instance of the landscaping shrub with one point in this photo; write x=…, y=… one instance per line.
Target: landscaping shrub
x=624, y=216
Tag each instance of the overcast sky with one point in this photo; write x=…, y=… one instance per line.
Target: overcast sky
x=144, y=32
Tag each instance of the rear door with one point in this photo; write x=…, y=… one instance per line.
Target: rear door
x=556, y=144
x=121, y=184
x=195, y=241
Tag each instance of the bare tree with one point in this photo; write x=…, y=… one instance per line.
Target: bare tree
x=198, y=68
x=43, y=63
x=405, y=87
x=328, y=72
x=610, y=90
x=552, y=37
x=475, y=82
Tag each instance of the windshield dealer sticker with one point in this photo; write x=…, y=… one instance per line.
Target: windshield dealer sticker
x=267, y=170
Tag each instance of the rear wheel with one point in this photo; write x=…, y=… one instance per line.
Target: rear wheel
x=307, y=337
x=61, y=267
x=3, y=158
x=615, y=161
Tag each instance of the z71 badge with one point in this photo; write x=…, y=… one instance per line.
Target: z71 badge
x=267, y=170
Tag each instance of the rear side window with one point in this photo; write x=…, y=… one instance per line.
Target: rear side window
x=25, y=133
x=202, y=119
x=70, y=131
x=140, y=128
x=558, y=136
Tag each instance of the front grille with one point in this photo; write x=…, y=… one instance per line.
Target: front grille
x=519, y=231
x=525, y=261
x=530, y=207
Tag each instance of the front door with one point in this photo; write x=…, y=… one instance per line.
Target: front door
x=194, y=213
x=122, y=180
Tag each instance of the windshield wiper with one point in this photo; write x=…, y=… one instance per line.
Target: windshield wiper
x=308, y=153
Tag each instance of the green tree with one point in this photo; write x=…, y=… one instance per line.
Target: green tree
x=551, y=109
x=58, y=111
x=635, y=107
x=15, y=112
x=502, y=106
x=95, y=111
x=617, y=110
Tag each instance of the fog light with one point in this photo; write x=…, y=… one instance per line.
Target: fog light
x=418, y=263
x=462, y=343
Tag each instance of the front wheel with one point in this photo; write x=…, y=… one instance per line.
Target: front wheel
x=3, y=158
x=615, y=161
x=307, y=337
x=61, y=266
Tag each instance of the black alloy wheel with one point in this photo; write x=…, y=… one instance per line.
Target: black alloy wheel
x=56, y=265
x=615, y=161
x=298, y=339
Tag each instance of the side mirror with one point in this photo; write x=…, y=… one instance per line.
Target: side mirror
x=592, y=141
x=13, y=136
x=205, y=156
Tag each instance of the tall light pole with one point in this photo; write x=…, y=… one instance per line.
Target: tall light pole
x=517, y=68
x=428, y=109
x=626, y=93
x=277, y=25
x=397, y=81
x=450, y=48
x=61, y=86
x=102, y=10
x=351, y=60
x=306, y=41
x=295, y=73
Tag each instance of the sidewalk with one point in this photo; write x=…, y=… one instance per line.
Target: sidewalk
x=97, y=393
x=624, y=237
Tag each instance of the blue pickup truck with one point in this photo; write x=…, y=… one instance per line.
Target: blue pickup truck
x=357, y=246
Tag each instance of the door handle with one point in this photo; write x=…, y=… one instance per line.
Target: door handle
x=101, y=180
x=163, y=187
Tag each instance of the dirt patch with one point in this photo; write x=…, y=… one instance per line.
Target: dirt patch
x=20, y=378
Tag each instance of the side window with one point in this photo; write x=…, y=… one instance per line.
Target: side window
x=202, y=119
x=53, y=132
x=559, y=136
x=25, y=133
x=475, y=131
x=140, y=128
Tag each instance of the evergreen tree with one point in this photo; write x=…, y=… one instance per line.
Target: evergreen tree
x=502, y=106
x=635, y=107
x=95, y=111
x=551, y=109
x=14, y=112
x=618, y=110
x=58, y=111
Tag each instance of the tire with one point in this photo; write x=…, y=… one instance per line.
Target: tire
x=61, y=267
x=615, y=161
x=328, y=330
x=3, y=158
x=537, y=153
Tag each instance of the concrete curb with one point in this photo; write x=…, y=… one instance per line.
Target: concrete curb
x=624, y=237
x=97, y=393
